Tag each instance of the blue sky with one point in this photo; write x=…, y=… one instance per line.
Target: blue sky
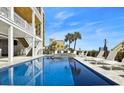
x=94, y=24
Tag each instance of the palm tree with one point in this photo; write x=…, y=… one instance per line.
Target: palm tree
x=69, y=38
x=52, y=46
x=77, y=36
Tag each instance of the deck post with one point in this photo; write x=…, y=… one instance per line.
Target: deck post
x=33, y=40
x=12, y=13
x=10, y=44
x=10, y=39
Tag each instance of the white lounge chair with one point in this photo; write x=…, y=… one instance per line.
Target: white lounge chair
x=101, y=53
x=113, y=63
x=109, y=58
x=81, y=54
x=97, y=59
x=75, y=52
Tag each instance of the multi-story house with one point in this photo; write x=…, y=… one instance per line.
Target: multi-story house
x=60, y=45
x=21, y=31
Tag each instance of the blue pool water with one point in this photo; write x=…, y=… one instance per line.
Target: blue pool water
x=57, y=72
x=52, y=72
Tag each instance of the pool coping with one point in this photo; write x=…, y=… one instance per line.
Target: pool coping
x=7, y=64
x=110, y=75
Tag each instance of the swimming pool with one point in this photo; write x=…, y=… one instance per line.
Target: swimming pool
x=46, y=71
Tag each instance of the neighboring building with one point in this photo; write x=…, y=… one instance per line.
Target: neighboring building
x=21, y=31
x=59, y=44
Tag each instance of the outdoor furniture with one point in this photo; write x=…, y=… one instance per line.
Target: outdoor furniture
x=75, y=52
x=114, y=63
x=109, y=58
x=84, y=54
x=100, y=55
x=69, y=51
x=62, y=51
x=56, y=52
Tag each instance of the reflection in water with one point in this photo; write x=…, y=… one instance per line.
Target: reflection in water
x=11, y=80
x=84, y=76
x=75, y=70
x=4, y=77
x=57, y=72
x=28, y=73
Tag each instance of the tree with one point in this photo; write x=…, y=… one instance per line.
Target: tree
x=69, y=38
x=52, y=46
x=76, y=36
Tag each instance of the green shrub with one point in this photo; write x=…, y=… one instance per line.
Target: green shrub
x=119, y=56
x=92, y=53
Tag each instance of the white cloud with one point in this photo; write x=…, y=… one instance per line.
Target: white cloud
x=74, y=23
x=93, y=23
x=55, y=25
x=63, y=15
x=60, y=34
x=59, y=20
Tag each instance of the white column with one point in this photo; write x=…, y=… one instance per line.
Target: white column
x=10, y=38
x=10, y=44
x=33, y=40
x=12, y=13
x=42, y=32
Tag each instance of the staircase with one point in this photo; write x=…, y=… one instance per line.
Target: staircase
x=23, y=42
x=27, y=43
x=29, y=53
x=38, y=48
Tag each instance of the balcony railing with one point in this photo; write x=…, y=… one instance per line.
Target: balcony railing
x=21, y=22
x=5, y=11
x=38, y=9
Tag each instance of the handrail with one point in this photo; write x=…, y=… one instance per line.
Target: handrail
x=21, y=22
x=38, y=47
x=5, y=11
x=29, y=40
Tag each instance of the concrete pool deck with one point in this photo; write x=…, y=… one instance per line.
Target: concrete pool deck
x=114, y=75
x=18, y=59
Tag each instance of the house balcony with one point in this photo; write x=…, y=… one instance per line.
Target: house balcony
x=38, y=9
x=23, y=23
x=6, y=12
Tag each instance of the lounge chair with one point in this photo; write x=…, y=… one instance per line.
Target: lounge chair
x=101, y=53
x=99, y=57
x=111, y=56
x=82, y=54
x=85, y=54
x=113, y=63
